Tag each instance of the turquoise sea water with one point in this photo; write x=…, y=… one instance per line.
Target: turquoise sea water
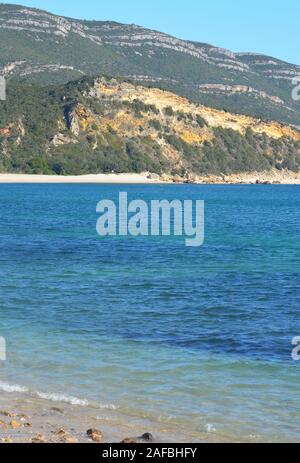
x=199, y=338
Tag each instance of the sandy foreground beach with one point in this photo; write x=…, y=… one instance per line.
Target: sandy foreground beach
x=270, y=177
x=28, y=419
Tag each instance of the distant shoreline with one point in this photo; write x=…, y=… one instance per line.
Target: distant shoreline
x=247, y=178
x=89, y=179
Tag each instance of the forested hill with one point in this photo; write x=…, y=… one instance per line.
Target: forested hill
x=103, y=124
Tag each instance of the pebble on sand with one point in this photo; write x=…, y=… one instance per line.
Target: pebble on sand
x=129, y=440
x=15, y=424
x=8, y=414
x=65, y=437
x=147, y=437
x=94, y=434
x=39, y=439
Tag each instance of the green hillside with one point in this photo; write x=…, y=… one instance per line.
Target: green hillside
x=39, y=47
x=100, y=125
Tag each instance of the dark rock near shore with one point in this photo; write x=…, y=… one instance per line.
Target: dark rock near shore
x=94, y=434
x=147, y=437
x=129, y=440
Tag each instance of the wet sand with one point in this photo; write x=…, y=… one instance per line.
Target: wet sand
x=27, y=419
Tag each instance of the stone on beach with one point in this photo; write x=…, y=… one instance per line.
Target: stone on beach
x=3, y=426
x=147, y=437
x=61, y=433
x=8, y=414
x=15, y=424
x=39, y=439
x=95, y=435
x=152, y=176
x=7, y=440
x=66, y=437
x=27, y=425
x=129, y=440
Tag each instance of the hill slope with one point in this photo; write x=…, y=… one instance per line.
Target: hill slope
x=100, y=125
x=46, y=49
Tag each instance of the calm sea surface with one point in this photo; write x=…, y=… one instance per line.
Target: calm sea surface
x=199, y=338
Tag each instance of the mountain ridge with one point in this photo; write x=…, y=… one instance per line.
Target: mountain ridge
x=39, y=47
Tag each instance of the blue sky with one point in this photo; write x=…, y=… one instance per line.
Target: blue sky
x=265, y=26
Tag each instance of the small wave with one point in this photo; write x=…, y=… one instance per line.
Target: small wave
x=210, y=428
x=54, y=397
x=12, y=387
x=62, y=398
x=108, y=407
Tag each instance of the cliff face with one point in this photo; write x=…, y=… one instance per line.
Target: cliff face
x=103, y=124
x=127, y=92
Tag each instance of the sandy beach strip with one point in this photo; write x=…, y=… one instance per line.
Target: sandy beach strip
x=24, y=419
x=249, y=178
x=73, y=179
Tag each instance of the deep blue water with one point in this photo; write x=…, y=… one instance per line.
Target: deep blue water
x=191, y=336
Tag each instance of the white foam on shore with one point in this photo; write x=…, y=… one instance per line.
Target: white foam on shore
x=62, y=398
x=12, y=387
x=108, y=407
x=53, y=397
x=73, y=400
x=210, y=428
x=5, y=387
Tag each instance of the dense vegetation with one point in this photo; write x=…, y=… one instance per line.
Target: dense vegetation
x=32, y=117
x=231, y=152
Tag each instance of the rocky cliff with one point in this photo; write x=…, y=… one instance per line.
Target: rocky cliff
x=106, y=124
